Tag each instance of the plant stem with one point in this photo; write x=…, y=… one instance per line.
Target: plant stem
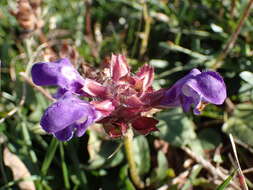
x=231, y=42
x=128, y=142
x=147, y=28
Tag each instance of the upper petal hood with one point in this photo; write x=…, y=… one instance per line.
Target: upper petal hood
x=172, y=95
x=60, y=73
x=197, y=89
x=209, y=85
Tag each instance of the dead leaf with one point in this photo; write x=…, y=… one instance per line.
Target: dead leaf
x=18, y=169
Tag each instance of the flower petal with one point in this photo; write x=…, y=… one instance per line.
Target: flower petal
x=60, y=73
x=82, y=125
x=115, y=129
x=133, y=101
x=65, y=134
x=197, y=89
x=209, y=85
x=172, y=95
x=63, y=113
x=59, y=93
x=186, y=103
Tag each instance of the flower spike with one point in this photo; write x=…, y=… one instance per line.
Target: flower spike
x=118, y=99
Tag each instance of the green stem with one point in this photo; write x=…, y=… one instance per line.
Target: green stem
x=128, y=139
x=147, y=28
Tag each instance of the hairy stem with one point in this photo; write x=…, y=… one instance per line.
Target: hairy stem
x=128, y=142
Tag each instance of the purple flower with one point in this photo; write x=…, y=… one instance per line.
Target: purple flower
x=197, y=89
x=60, y=73
x=118, y=98
x=68, y=115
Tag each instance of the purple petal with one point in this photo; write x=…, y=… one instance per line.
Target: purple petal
x=59, y=93
x=209, y=85
x=65, y=134
x=60, y=73
x=186, y=103
x=81, y=126
x=197, y=89
x=173, y=94
x=65, y=112
x=171, y=97
x=191, y=74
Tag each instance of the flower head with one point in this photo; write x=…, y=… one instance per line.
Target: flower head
x=124, y=93
x=118, y=98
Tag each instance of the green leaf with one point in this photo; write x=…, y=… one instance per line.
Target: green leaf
x=158, y=63
x=196, y=147
x=209, y=138
x=240, y=125
x=194, y=173
x=175, y=127
x=64, y=168
x=161, y=172
x=226, y=181
x=247, y=76
x=115, y=160
x=141, y=154
x=49, y=155
x=100, y=151
x=124, y=182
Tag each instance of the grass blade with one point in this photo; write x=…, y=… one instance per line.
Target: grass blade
x=49, y=156
x=227, y=181
x=64, y=168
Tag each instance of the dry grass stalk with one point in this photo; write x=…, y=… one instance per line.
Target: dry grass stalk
x=240, y=175
x=28, y=14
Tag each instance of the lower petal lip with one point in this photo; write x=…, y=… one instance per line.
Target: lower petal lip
x=67, y=111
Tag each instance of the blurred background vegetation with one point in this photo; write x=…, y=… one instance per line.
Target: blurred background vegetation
x=189, y=152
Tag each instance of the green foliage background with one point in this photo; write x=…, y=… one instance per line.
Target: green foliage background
x=181, y=35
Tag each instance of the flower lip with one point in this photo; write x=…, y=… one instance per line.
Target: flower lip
x=66, y=115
